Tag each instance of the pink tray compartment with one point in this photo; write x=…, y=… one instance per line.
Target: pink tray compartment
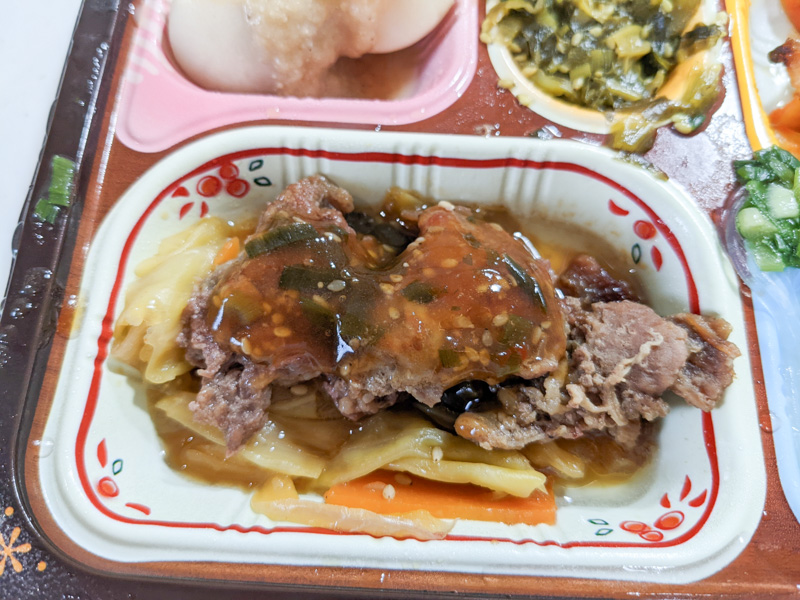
x=159, y=107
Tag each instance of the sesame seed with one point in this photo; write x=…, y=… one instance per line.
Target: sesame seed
x=282, y=332
x=277, y=318
x=344, y=370
x=402, y=479
x=396, y=278
x=394, y=313
x=247, y=348
x=266, y=308
x=446, y=205
x=337, y=285
x=388, y=492
x=428, y=272
x=320, y=300
x=437, y=453
x=495, y=226
x=299, y=389
x=405, y=265
x=320, y=285
x=387, y=288
x=486, y=338
x=500, y=320
x=449, y=263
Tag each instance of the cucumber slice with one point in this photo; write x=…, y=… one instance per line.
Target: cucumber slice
x=781, y=201
x=766, y=259
x=753, y=224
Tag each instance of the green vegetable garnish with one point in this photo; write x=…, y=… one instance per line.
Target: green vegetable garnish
x=516, y=331
x=60, y=190
x=526, y=283
x=449, y=358
x=420, y=292
x=769, y=219
x=299, y=277
x=279, y=237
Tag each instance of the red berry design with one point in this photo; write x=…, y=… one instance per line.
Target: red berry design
x=229, y=171
x=209, y=186
x=107, y=487
x=237, y=188
x=644, y=229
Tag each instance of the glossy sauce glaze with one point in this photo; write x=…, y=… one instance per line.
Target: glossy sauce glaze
x=338, y=296
x=465, y=300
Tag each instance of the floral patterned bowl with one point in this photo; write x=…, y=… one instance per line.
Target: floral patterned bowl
x=687, y=515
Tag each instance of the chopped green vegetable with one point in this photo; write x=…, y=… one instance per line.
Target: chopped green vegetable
x=769, y=219
x=299, y=277
x=59, y=193
x=421, y=292
x=516, y=331
x=782, y=203
x=449, y=358
x=512, y=365
x=753, y=224
x=248, y=308
x=526, y=283
x=604, y=55
x=279, y=237
x=613, y=55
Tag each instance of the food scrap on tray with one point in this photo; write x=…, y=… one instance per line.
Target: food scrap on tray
x=351, y=356
x=290, y=47
x=641, y=63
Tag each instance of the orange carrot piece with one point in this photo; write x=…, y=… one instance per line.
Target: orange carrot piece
x=443, y=500
x=787, y=116
x=229, y=251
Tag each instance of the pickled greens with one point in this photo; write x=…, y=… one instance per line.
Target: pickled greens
x=615, y=57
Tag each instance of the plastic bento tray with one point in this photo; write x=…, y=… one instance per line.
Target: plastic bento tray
x=91, y=509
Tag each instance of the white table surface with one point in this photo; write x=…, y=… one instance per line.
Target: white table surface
x=33, y=48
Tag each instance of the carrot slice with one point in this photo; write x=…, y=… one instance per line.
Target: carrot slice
x=787, y=116
x=788, y=139
x=229, y=251
x=443, y=500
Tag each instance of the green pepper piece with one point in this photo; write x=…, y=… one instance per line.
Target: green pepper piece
x=285, y=235
x=526, y=283
x=516, y=331
x=421, y=292
x=299, y=277
x=449, y=358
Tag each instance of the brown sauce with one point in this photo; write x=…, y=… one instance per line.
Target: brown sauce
x=606, y=462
